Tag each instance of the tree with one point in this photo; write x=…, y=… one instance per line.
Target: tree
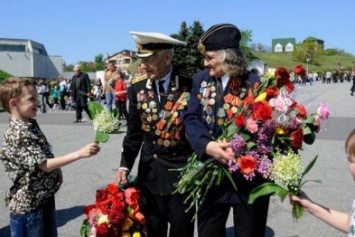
x=188, y=56
x=99, y=59
x=308, y=50
x=245, y=43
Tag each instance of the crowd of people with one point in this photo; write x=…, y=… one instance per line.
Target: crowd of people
x=168, y=120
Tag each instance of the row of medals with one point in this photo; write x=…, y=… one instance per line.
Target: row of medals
x=207, y=96
x=150, y=117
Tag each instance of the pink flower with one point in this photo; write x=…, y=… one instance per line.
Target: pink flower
x=323, y=111
x=252, y=126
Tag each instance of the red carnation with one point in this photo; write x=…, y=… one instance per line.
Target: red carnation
x=101, y=195
x=302, y=112
x=272, y=92
x=239, y=120
x=262, y=111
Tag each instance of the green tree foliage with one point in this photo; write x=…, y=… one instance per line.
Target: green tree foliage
x=245, y=44
x=99, y=62
x=188, y=57
x=308, y=50
x=4, y=75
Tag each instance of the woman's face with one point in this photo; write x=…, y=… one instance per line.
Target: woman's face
x=213, y=61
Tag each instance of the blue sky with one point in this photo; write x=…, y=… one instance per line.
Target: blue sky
x=80, y=30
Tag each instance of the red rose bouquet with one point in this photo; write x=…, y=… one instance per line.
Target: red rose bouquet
x=263, y=122
x=115, y=214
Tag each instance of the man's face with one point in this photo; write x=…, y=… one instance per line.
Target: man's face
x=157, y=65
x=213, y=61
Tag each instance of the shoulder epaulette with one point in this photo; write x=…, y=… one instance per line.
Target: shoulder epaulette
x=139, y=78
x=185, y=73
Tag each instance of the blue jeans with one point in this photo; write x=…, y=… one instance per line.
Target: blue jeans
x=109, y=97
x=38, y=223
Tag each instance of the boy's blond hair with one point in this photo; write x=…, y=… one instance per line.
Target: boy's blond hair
x=350, y=145
x=11, y=88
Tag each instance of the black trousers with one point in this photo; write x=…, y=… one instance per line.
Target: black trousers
x=62, y=101
x=161, y=210
x=79, y=109
x=122, y=109
x=249, y=220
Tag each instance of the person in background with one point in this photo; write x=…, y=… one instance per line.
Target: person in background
x=155, y=130
x=254, y=77
x=80, y=89
x=121, y=96
x=30, y=163
x=140, y=70
x=43, y=91
x=128, y=78
x=345, y=222
x=109, y=85
x=98, y=90
x=55, y=96
x=226, y=73
x=63, y=92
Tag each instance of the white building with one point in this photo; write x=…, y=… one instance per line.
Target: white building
x=27, y=58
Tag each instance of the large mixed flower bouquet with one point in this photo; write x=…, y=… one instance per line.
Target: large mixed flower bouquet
x=265, y=122
x=115, y=213
x=105, y=122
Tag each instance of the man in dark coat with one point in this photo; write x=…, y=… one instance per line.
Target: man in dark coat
x=157, y=103
x=80, y=89
x=226, y=68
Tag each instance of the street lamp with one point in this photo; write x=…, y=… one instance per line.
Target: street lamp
x=307, y=60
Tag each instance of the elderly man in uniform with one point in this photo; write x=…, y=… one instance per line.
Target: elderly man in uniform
x=225, y=73
x=157, y=104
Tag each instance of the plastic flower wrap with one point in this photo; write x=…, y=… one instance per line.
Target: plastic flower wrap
x=259, y=122
x=105, y=122
x=116, y=213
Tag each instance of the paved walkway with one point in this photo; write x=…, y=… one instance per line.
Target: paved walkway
x=82, y=178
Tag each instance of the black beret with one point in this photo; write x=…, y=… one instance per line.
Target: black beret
x=220, y=36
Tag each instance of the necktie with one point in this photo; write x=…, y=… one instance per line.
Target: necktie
x=161, y=87
x=219, y=92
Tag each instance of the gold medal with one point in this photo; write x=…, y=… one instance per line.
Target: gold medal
x=211, y=102
x=154, y=117
x=166, y=143
x=144, y=106
x=226, y=106
x=173, y=143
x=184, y=102
x=139, y=105
x=157, y=132
x=220, y=122
x=160, y=141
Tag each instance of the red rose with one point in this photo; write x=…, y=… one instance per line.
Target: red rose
x=101, y=195
x=297, y=138
x=262, y=111
x=282, y=73
x=132, y=195
x=239, y=120
x=116, y=217
x=102, y=229
x=290, y=86
x=299, y=70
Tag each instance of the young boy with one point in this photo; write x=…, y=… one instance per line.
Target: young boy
x=30, y=163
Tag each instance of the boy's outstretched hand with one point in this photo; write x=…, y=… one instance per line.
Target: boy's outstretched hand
x=89, y=150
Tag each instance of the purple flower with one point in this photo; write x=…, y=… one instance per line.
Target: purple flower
x=237, y=144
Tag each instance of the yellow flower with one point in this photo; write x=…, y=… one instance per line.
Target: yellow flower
x=280, y=131
x=261, y=97
x=103, y=219
x=136, y=234
x=126, y=234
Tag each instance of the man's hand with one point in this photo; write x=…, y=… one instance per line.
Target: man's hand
x=121, y=176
